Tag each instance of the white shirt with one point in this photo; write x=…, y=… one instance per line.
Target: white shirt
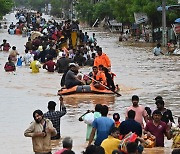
x=157, y=51
x=27, y=59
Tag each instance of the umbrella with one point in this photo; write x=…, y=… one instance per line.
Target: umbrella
x=35, y=34
x=177, y=20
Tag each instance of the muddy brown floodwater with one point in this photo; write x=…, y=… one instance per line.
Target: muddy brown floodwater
x=138, y=72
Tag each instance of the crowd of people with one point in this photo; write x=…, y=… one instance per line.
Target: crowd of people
x=141, y=128
x=171, y=49
x=50, y=40
x=55, y=47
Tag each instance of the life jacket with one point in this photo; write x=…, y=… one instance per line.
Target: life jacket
x=100, y=76
x=117, y=124
x=102, y=60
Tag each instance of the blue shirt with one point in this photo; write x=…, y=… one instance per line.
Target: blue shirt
x=103, y=126
x=130, y=125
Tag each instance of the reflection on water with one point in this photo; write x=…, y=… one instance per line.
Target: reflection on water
x=77, y=99
x=138, y=72
x=157, y=151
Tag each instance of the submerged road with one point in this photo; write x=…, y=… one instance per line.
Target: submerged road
x=138, y=72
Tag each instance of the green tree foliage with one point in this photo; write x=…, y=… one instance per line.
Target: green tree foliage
x=123, y=10
x=37, y=4
x=88, y=11
x=21, y=3
x=56, y=7
x=85, y=10
x=172, y=15
x=102, y=10
x=66, y=6
x=5, y=6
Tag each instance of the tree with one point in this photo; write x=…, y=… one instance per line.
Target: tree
x=124, y=10
x=67, y=8
x=56, y=8
x=172, y=14
x=37, y=4
x=102, y=10
x=85, y=10
x=6, y=6
x=21, y=3
x=121, y=10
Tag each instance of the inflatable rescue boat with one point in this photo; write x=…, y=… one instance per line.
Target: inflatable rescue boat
x=84, y=89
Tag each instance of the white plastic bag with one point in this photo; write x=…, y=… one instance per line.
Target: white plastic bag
x=89, y=118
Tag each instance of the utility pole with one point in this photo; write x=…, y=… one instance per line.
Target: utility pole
x=71, y=9
x=164, y=29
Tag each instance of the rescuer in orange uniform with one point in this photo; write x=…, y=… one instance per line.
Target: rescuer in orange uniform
x=100, y=78
x=102, y=59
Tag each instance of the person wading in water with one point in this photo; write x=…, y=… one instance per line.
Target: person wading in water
x=41, y=130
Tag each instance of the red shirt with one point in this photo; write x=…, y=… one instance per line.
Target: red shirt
x=117, y=124
x=50, y=66
x=157, y=131
x=6, y=46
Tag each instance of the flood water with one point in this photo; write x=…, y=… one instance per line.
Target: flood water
x=138, y=72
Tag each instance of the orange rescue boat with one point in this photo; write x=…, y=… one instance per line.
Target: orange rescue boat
x=84, y=89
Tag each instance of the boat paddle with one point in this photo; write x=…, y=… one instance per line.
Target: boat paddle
x=61, y=100
x=118, y=94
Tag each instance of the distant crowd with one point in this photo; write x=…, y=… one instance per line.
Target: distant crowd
x=52, y=40
x=55, y=46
